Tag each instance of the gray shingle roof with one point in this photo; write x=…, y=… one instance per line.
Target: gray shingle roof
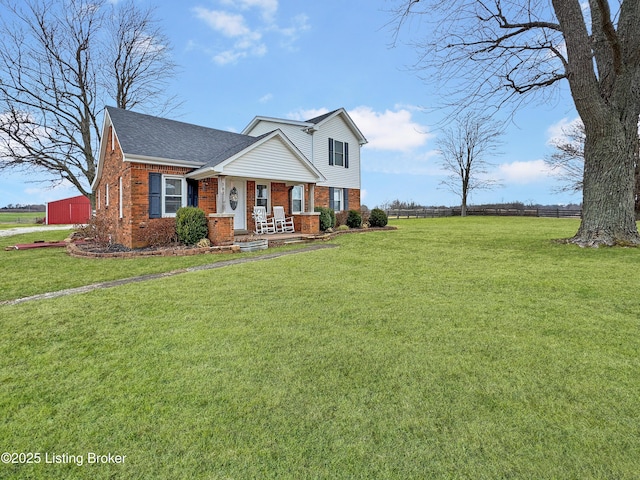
x=145, y=135
x=317, y=120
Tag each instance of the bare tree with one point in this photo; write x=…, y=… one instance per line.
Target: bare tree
x=494, y=51
x=568, y=161
x=60, y=63
x=568, y=158
x=465, y=150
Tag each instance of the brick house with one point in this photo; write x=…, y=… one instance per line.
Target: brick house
x=148, y=167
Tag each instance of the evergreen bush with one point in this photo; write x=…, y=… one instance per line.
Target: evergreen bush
x=377, y=218
x=354, y=219
x=191, y=225
x=325, y=218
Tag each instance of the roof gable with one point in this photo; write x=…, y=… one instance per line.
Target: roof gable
x=312, y=124
x=147, y=136
x=257, y=161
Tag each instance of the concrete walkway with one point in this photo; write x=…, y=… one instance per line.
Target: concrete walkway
x=41, y=228
x=154, y=276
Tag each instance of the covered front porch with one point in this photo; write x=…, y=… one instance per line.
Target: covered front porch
x=268, y=172
x=278, y=239
x=239, y=196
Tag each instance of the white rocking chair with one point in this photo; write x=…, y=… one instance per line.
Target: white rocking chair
x=283, y=224
x=263, y=224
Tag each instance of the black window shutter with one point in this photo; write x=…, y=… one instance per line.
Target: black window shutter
x=346, y=155
x=345, y=192
x=192, y=193
x=331, y=198
x=155, y=195
x=331, y=151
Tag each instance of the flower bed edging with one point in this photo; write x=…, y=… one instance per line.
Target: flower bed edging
x=74, y=251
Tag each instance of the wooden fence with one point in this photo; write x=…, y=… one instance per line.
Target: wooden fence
x=510, y=212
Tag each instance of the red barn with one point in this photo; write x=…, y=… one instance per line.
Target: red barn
x=69, y=211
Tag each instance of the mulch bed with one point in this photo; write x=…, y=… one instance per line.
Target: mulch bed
x=116, y=250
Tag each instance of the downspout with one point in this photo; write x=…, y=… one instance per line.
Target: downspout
x=311, y=130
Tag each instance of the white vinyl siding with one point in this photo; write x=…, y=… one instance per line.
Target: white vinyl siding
x=339, y=177
x=271, y=160
x=294, y=133
x=335, y=128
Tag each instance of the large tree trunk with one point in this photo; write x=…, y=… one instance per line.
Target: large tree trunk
x=608, y=216
x=603, y=70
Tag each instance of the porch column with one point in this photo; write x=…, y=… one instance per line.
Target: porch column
x=221, y=204
x=312, y=197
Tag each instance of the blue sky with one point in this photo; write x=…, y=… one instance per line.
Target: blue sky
x=293, y=59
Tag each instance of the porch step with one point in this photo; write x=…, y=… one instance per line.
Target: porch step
x=295, y=240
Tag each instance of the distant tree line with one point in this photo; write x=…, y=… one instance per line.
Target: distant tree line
x=21, y=207
x=411, y=205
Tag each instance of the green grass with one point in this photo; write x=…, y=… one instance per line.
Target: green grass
x=29, y=272
x=451, y=348
x=19, y=218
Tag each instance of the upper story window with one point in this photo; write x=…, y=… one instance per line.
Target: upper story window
x=338, y=153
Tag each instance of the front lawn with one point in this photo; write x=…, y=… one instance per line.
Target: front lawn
x=15, y=219
x=29, y=272
x=450, y=348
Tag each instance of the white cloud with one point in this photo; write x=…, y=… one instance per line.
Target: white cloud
x=390, y=130
x=299, y=24
x=557, y=133
x=268, y=7
x=525, y=172
x=229, y=24
x=303, y=115
x=387, y=132
x=246, y=29
x=266, y=98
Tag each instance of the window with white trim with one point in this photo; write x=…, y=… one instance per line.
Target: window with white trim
x=297, y=199
x=174, y=195
x=338, y=153
x=337, y=199
x=106, y=195
x=262, y=196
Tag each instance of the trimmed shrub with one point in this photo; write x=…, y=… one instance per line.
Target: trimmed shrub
x=354, y=219
x=341, y=218
x=191, y=225
x=334, y=220
x=160, y=232
x=377, y=218
x=325, y=218
x=99, y=229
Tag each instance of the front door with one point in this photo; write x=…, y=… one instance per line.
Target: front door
x=238, y=203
